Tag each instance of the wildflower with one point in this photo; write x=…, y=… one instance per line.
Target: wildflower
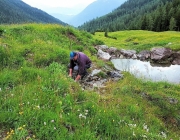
x=54, y=128
x=52, y=121
x=34, y=136
x=20, y=128
x=44, y=123
x=132, y=125
x=134, y=134
x=28, y=137
x=82, y=116
x=145, y=127
x=38, y=106
x=0, y=89
x=20, y=113
x=144, y=136
x=163, y=134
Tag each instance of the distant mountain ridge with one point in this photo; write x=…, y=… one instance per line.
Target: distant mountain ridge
x=16, y=11
x=94, y=10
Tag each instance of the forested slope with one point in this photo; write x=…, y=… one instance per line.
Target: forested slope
x=16, y=11
x=153, y=15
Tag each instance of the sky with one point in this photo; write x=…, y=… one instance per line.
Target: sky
x=57, y=3
x=66, y=7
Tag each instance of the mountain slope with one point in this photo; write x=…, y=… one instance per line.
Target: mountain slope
x=153, y=15
x=94, y=10
x=16, y=11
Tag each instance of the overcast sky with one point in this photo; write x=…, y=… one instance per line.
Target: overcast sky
x=57, y=3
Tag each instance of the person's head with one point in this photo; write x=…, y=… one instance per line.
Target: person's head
x=73, y=55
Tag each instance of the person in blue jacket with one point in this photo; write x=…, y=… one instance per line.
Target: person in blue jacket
x=82, y=62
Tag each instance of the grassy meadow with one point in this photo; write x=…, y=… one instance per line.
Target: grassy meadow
x=140, y=40
x=40, y=102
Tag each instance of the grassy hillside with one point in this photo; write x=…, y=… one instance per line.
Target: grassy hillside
x=16, y=11
x=140, y=40
x=39, y=101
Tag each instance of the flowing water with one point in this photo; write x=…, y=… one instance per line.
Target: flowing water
x=147, y=71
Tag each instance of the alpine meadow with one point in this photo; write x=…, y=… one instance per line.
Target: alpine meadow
x=39, y=101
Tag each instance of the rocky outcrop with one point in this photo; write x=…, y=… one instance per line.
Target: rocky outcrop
x=98, y=78
x=155, y=55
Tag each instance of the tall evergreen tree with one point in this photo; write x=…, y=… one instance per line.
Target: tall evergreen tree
x=172, y=24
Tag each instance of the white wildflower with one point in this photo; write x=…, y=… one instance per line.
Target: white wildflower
x=52, y=121
x=145, y=127
x=132, y=125
x=44, y=123
x=82, y=116
x=144, y=136
x=163, y=134
x=134, y=134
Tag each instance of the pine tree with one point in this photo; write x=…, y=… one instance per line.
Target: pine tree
x=172, y=24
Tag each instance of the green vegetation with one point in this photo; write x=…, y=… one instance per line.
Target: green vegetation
x=152, y=15
x=140, y=40
x=40, y=102
x=16, y=11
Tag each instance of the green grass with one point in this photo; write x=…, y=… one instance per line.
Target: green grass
x=140, y=40
x=39, y=101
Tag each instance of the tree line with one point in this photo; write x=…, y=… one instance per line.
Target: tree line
x=152, y=15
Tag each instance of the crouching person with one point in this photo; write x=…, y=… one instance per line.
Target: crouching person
x=81, y=62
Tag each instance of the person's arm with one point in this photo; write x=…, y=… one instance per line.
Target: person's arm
x=70, y=72
x=78, y=77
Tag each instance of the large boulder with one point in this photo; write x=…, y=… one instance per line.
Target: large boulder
x=160, y=54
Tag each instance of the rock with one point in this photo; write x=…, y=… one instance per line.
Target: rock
x=160, y=54
x=144, y=55
x=112, y=51
x=114, y=74
x=95, y=71
x=176, y=58
x=127, y=53
x=134, y=56
x=103, y=55
x=102, y=47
